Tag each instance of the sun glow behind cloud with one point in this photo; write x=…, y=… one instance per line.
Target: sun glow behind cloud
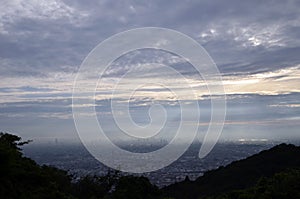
x=59, y=85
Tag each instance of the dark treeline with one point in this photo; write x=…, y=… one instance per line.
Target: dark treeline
x=274, y=173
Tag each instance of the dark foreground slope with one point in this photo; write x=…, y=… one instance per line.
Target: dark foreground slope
x=240, y=174
x=283, y=185
x=21, y=177
x=270, y=174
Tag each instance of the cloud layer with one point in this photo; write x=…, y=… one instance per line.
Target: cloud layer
x=255, y=44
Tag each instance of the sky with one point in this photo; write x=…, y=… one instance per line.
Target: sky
x=255, y=44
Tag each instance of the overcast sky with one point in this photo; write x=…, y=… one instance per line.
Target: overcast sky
x=255, y=44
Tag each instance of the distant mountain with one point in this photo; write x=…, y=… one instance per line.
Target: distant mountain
x=238, y=175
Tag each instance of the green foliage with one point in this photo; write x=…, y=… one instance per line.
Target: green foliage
x=135, y=188
x=95, y=186
x=283, y=185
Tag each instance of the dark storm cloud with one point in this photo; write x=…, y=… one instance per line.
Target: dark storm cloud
x=40, y=44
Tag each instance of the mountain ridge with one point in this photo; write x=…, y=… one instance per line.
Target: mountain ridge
x=239, y=174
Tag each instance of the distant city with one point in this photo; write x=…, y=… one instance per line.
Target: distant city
x=74, y=158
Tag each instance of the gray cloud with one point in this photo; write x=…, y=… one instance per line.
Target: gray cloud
x=42, y=44
x=240, y=36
